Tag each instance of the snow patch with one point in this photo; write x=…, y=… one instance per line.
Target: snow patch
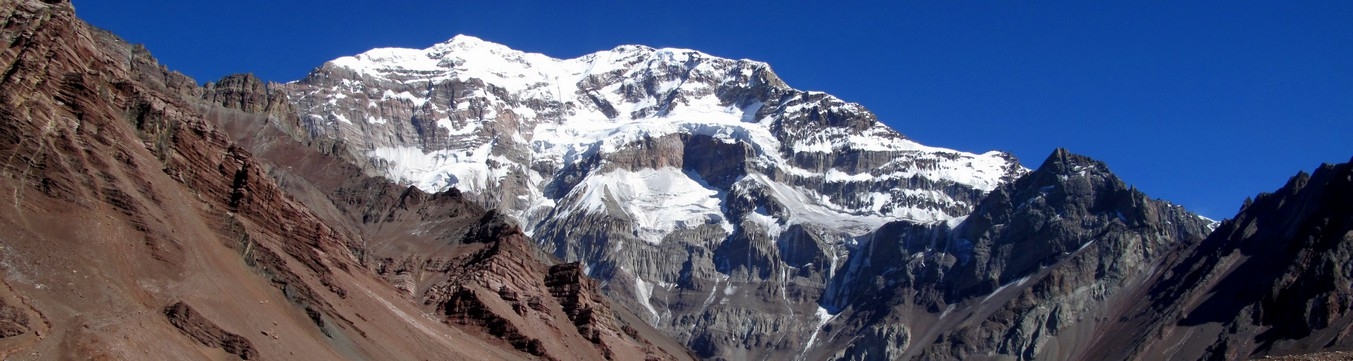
x=953, y=223
x=341, y=118
x=807, y=206
x=1017, y=283
x=438, y=170
x=658, y=201
x=643, y=291
x=823, y=317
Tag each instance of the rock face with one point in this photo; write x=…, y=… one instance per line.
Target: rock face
x=13, y=321
x=199, y=328
x=705, y=193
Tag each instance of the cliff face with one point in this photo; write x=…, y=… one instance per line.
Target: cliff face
x=136, y=227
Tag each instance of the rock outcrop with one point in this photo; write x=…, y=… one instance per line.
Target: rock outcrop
x=199, y=328
x=13, y=321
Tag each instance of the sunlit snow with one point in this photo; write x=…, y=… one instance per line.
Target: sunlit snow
x=658, y=201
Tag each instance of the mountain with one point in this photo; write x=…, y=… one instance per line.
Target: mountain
x=752, y=220
x=469, y=201
x=141, y=225
x=704, y=192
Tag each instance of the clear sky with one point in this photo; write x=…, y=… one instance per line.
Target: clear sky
x=1199, y=103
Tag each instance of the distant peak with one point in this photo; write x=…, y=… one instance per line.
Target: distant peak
x=465, y=47
x=1062, y=160
x=1063, y=165
x=463, y=41
x=664, y=54
x=466, y=40
x=632, y=48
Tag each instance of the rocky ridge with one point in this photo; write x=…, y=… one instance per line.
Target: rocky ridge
x=204, y=331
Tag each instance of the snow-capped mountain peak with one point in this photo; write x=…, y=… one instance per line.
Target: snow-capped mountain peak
x=469, y=113
x=671, y=170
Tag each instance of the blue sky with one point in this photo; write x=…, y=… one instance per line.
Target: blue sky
x=1202, y=104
